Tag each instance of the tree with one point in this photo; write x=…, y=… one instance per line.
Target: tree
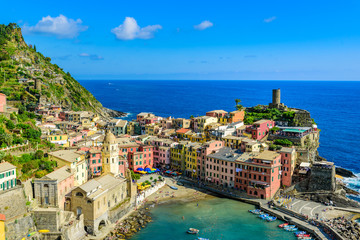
x=238, y=105
x=39, y=154
x=34, y=47
x=135, y=176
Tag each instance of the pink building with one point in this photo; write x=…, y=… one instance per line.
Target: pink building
x=220, y=167
x=258, y=174
x=143, y=158
x=288, y=161
x=74, y=138
x=217, y=113
x=206, y=149
x=94, y=162
x=2, y=102
x=51, y=189
x=260, y=128
x=162, y=151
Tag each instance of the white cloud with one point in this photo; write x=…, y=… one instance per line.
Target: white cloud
x=268, y=20
x=60, y=26
x=91, y=56
x=130, y=30
x=203, y=25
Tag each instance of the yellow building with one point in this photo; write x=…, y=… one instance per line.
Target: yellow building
x=151, y=129
x=75, y=160
x=200, y=123
x=199, y=138
x=191, y=152
x=61, y=139
x=2, y=227
x=233, y=141
x=177, y=156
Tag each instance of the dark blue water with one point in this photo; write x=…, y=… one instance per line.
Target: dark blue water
x=333, y=105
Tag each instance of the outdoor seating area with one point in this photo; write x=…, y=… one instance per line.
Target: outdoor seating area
x=146, y=170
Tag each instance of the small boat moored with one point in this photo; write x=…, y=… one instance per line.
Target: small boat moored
x=283, y=225
x=192, y=231
x=173, y=187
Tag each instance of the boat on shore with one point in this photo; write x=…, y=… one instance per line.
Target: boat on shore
x=192, y=231
x=173, y=187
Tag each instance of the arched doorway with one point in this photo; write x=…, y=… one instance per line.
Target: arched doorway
x=78, y=211
x=101, y=224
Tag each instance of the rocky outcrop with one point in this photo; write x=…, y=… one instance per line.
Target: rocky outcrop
x=344, y=172
x=131, y=225
x=346, y=228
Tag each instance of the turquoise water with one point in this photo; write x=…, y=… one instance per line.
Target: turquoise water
x=216, y=218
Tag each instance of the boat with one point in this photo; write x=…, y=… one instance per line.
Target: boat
x=173, y=187
x=302, y=235
x=270, y=219
x=305, y=238
x=44, y=231
x=263, y=216
x=200, y=238
x=283, y=225
x=256, y=211
x=192, y=231
x=291, y=229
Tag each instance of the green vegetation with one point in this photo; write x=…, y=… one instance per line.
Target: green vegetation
x=135, y=176
x=238, y=106
x=32, y=164
x=19, y=60
x=261, y=112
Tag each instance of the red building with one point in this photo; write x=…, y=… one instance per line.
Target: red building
x=288, y=161
x=260, y=128
x=258, y=174
x=142, y=158
x=217, y=113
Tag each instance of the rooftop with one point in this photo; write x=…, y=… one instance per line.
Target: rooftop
x=6, y=166
x=183, y=130
x=226, y=154
x=66, y=155
x=59, y=174
x=268, y=155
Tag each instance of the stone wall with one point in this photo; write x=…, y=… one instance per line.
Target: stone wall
x=47, y=219
x=28, y=189
x=75, y=230
x=19, y=228
x=117, y=213
x=13, y=203
x=322, y=178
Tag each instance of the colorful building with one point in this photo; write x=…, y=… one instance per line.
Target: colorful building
x=260, y=128
x=192, y=153
x=2, y=102
x=73, y=159
x=177, y=156
x=162, y=151
x=235, y=116
x=220, y=167
x=143, y=158
x=200, y=123
x=217, y=113
x=233, y=141
x=7, y=176
x=2, y=227
x=51, y=189
x=180, y=134
x=180, y=123
x=94, y=162
x=206, y=149
x=288, y=162
x=259, y=174
x=133, y=128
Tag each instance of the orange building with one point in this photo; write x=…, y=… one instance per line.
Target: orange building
x=2, y=102
x=2, y=227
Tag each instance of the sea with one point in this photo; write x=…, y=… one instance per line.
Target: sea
x=334, y=105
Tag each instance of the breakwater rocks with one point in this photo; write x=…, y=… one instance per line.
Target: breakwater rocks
x=346, y=228
x=114, y=113
x=131, y=225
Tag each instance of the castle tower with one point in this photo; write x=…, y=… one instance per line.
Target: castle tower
x=276, y=97
x=110, y=154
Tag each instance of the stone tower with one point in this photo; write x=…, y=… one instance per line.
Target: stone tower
x=38, y=84
x=276, y=100
x=110, y=154
x=276, y=96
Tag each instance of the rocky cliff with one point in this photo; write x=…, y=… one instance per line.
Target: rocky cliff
x=29, y=77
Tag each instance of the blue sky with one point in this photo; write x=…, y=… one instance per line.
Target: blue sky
x=282, y=40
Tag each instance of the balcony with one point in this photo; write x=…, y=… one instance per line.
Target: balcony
x=257, y=184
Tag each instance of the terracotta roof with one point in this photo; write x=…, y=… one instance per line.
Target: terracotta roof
x=2, y=217
x=183, y=130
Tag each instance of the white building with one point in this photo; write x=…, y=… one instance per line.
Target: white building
x=230, y=129
x=7, y=176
